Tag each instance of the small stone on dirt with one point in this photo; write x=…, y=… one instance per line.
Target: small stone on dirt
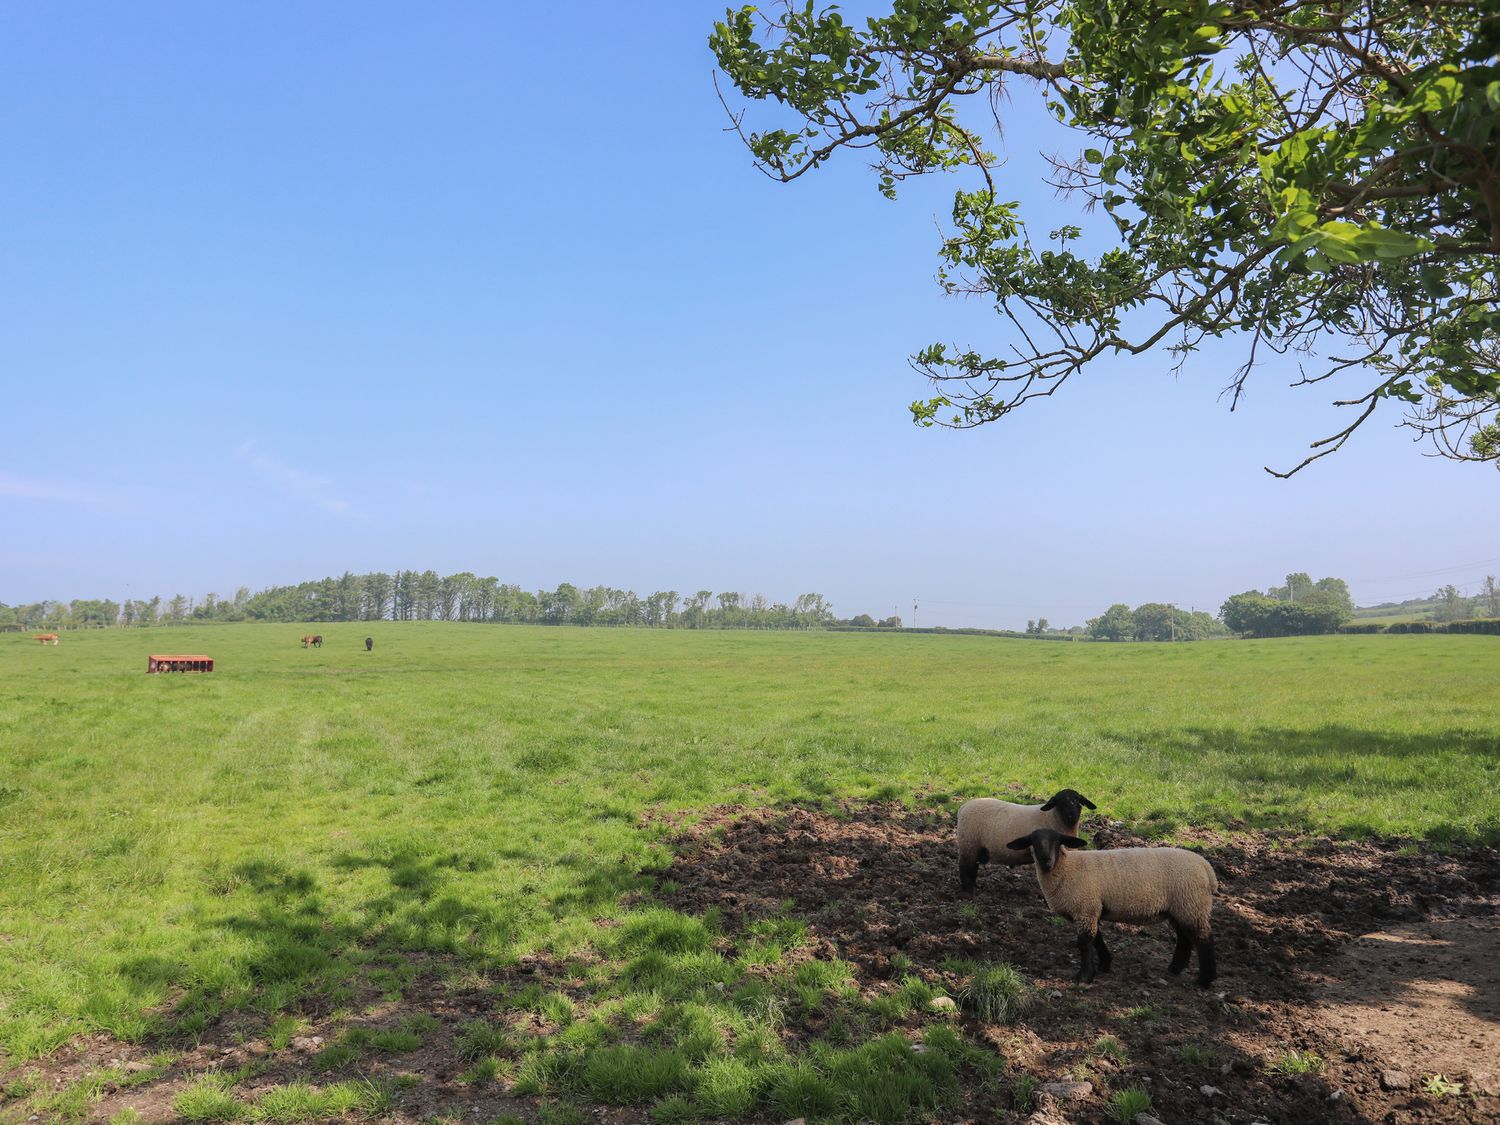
x=1394, y=1080
x=944, y=1004
x=1054, y=995
x=1209, y=1091
x=1147, y=1119
x=1067, y=1091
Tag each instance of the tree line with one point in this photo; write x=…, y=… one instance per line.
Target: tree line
x=410, y=595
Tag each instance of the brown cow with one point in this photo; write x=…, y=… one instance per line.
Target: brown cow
x=45, y=638
x=316, y=640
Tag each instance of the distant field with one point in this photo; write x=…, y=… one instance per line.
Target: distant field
x=298, y=817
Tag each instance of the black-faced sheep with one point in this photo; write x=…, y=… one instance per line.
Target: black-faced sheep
x=984, y=824
x=1135, y=885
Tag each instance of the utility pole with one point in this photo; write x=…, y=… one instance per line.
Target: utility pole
x=914, y=613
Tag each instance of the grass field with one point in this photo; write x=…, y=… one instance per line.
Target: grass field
x=298, y=824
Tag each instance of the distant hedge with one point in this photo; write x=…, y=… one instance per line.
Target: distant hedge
x=1489, y=625
x=1479, y=625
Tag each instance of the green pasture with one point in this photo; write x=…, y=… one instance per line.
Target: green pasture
x=175, y=847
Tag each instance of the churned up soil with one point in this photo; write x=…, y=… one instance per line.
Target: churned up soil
x=1350, y=973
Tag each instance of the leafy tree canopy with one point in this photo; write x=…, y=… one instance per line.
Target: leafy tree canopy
x=1301, y=606
x=1317, y=177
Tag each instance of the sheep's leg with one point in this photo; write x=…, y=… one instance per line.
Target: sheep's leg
x=1183, y=951
x=1102, y=951
x=1208, y=967
x=968, y=872
x=1088, y=965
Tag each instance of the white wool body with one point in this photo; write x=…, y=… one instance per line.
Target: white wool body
x=987, y=825
x=1132, y=885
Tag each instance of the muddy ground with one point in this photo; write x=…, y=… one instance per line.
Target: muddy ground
x=1378, y=958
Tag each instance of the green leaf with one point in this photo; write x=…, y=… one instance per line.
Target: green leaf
x=1391, y=244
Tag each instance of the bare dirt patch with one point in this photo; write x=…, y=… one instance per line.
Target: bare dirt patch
x=1349, y=959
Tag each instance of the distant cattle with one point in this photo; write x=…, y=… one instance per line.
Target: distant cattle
x=46, y=638
x=369, y=644
x=316, y=640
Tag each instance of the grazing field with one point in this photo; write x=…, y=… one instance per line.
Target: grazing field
x=472, y=821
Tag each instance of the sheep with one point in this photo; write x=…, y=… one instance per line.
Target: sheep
x=984, y=823
x=1135, y=885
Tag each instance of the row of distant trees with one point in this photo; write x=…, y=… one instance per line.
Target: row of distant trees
x=1153, y=621
x=409, y=595
x=1301, y=606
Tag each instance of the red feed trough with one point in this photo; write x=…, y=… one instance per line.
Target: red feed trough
x=179, y=664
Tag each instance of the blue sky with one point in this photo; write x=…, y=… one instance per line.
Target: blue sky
x=288, y=290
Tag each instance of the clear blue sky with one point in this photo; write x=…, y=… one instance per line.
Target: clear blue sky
x=292, y=289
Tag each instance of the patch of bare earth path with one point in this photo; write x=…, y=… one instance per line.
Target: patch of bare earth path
x=1344, y=966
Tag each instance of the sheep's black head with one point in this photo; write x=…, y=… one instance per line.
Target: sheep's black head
x=1069, y=805
x=1045, y=846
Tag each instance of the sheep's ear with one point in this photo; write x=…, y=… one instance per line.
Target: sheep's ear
x=1021, y=845
x=1087, y=803
x=1048, y=806
x=1072, y=842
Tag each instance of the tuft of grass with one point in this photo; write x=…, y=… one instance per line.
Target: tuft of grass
x=294, y=1103
x=477, y=1039
x=126, y=1116
x=207, y=1098
x=1293, y=1063
x=996, y=993
x=727, y=1087
x=283, y=1029
x=1196, y=1054
x=1127, y=1104
x=913, y=993
x=885, y=1081
x=1023, y=1093
x=674, y=1110
x=627, y=1075
x=799, y=1090
x=395, y=1041
x=965, y=1056
x=559, y=1113
x=665, y=931
x=1109, y=1047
